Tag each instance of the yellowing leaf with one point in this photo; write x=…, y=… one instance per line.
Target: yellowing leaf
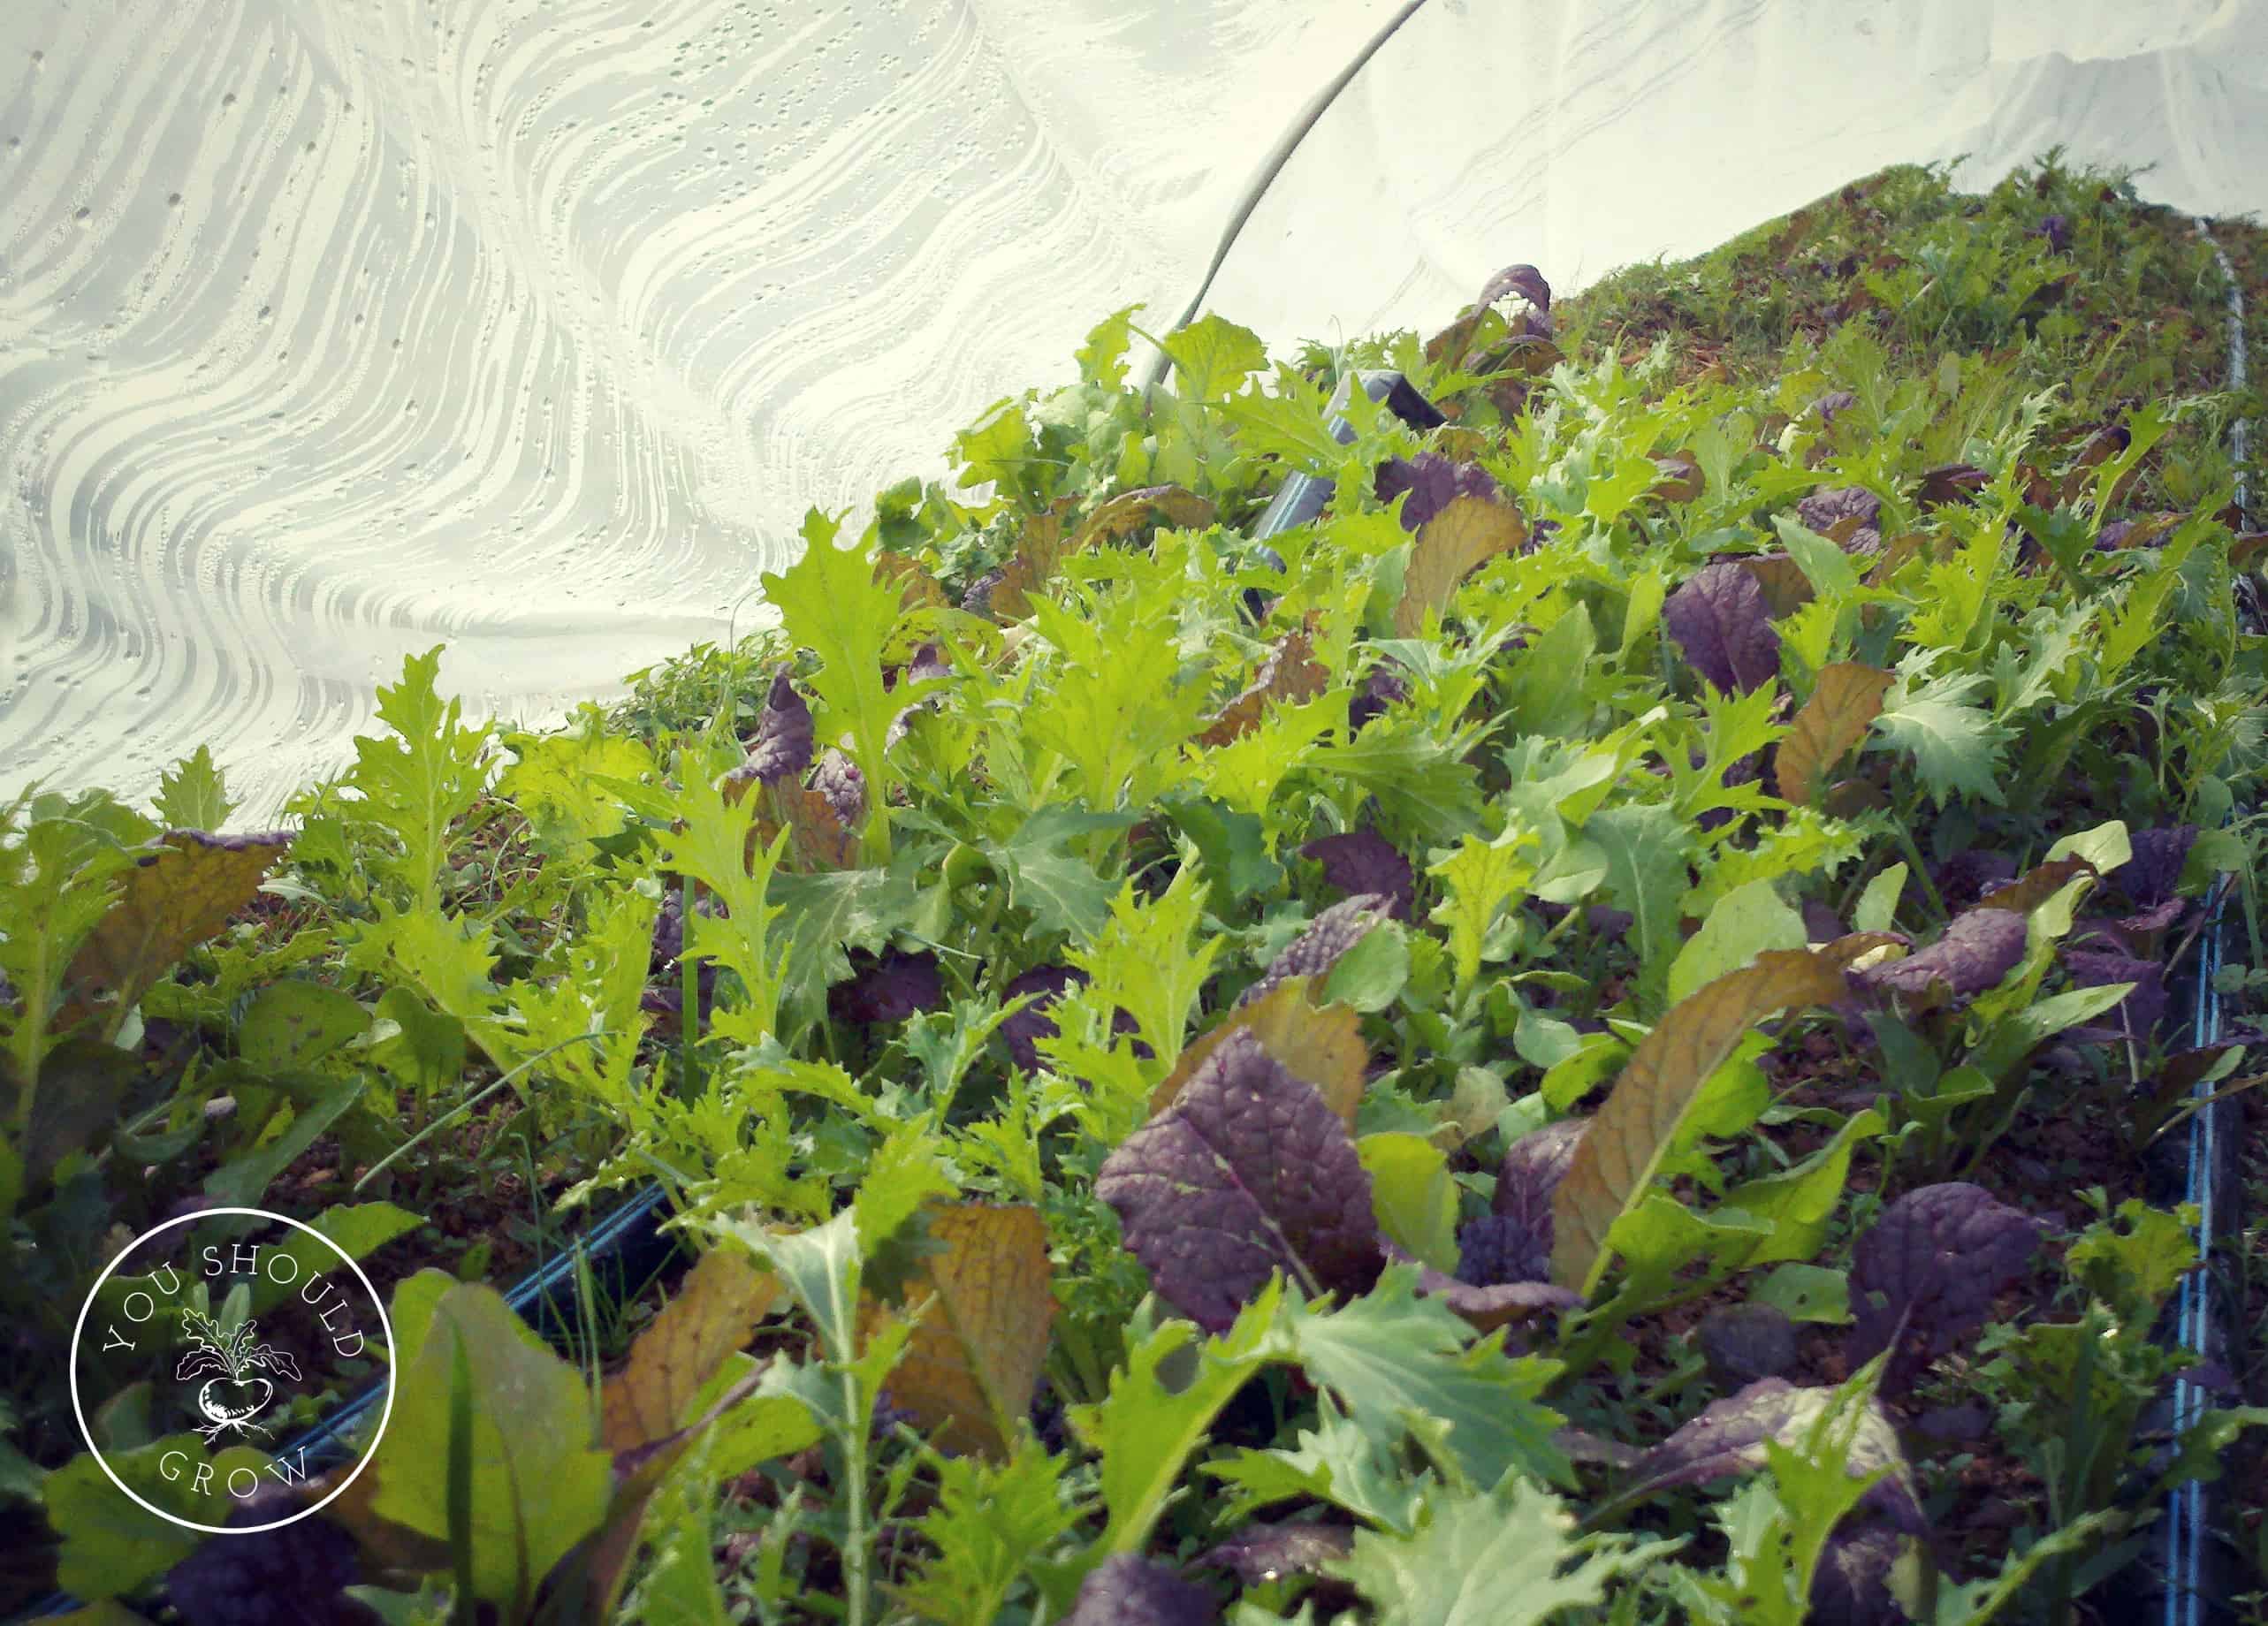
x=1288, y=674
x=173, y=898
x=1324, y=1046
x=1037, y=554
x=822, y=841
x=1846, y=701
x=1451, y=546
x=912, y=576
x=1624, y=1144
x=973, y=1364
x=1127, y=513
x=718, y=1303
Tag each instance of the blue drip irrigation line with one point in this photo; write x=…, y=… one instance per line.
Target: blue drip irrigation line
x=2186, y=1528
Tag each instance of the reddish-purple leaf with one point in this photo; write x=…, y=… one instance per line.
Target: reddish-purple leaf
x=888, y=989
x=1721, y=621
x=1032, y=1023
x=781, y=748
x=1728, y=1438
x=1497, y=1250
x=1966, y=876
x=1250, y=1171
x=1318, y=945
x=838, y=778
x=1380, y=690
x=1852, y=1584
x=1977, y=950
x=1524, y=280
x=1743, y=1342
x=1363, y=861
x=1821, y=510
x=1828, y=407
x=2135, y=1016
x=2150, y=875
x=1433, y=482
x=1935, y=1258
x=1259, y=1552
x=1532, y=1167
x=1126, y=1590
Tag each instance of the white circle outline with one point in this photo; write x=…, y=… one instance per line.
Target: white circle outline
x=77, y=1410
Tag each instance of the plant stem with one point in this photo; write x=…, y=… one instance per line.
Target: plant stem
x=857, y=1420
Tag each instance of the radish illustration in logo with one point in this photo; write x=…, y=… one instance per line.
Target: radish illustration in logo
x=230, y=1398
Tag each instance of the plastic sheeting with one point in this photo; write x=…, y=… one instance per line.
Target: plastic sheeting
x=331, y=329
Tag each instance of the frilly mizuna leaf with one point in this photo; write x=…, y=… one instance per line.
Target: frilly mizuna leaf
x=1620, y=1153
x=719, y=1302
x=1248, y=1174
x=1847, y=700
x=1324, y=1047
x=173, y=898
x=969, y=1371
x=1451, y=546
x=1290, y=672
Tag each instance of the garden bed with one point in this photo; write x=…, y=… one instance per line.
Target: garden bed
x=1504, y=1043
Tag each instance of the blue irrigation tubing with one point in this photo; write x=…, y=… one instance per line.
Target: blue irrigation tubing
x=630, y=1231
x=2188, y=1524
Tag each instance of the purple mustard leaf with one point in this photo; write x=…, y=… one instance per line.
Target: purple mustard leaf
x=887, y=990
x=1831, y=405
x=1935, y=1258
x=1259, y=1552
x=1127, y=1590
x=837, y=778
x=1382, y=689
x=1320, y=942
x=1821, y=924
x=1031, y=1023
x=781, y=747
x=2056, y=230
x=1822, y=510
x=2139, y=931
x=1728, y=1438
x=928, y=663
x=977, y=599
x=1249, y=1172
x=1608, y=923
x=2143, y=1008
x=1433, y=482
x=1743, y=770
x=1743, y=1342
x=1489, y=1306
x=2150, y=875
x=1966, y=876
x=1496, y=1249
x=1954, y=1425
x=1363, y=861
x=1524, y=280
x=1532, y=1167
x=1979, y=949
x=1851, y=1586
x=1721, y=621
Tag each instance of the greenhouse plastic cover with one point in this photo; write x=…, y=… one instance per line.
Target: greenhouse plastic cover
x=331, y=329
